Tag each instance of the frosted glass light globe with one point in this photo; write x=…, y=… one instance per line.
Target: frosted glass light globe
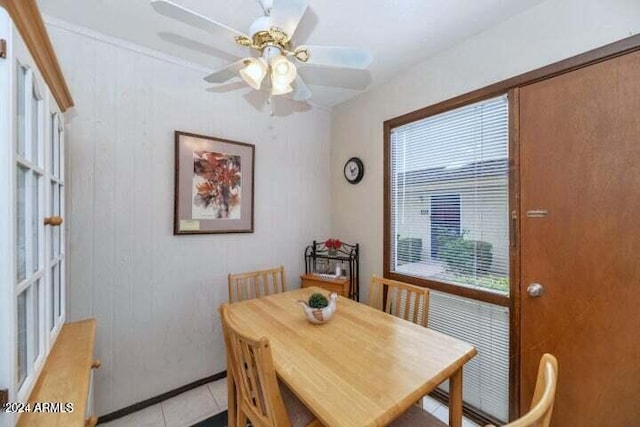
x=281, y=89
x=283, y=72
x=254, y=72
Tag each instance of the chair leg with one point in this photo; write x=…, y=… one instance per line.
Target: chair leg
x=242, y=419
x=233, y=404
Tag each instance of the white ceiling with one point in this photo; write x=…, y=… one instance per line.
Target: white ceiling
x=398, y=33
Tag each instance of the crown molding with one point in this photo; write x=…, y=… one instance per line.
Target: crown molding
x=117, y=42
x=27, y=19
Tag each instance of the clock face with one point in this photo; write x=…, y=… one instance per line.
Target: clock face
x=354, y=170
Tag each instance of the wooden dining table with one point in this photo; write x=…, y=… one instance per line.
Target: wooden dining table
x=362, y=368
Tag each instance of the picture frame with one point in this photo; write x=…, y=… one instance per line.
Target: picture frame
x=214, y=185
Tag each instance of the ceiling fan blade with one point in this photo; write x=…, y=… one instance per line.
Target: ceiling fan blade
x=286, y=14
x=226, y=73
x=301, y=91
x=186, y=16
x=201, y=47
x=335, y=56
x=229, y=87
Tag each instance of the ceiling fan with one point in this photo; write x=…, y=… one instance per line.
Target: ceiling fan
x=270, y=48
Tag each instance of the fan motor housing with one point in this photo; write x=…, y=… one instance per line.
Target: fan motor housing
x=262, y=23
x=264, y=35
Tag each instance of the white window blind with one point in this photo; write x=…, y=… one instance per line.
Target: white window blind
x=450, y=199
x=450, y=224
x=485, y=380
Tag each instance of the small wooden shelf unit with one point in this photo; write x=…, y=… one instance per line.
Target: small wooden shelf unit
x=317, y=256
x=339, y=285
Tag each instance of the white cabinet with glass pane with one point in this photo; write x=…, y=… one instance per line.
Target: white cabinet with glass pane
x=32, y=244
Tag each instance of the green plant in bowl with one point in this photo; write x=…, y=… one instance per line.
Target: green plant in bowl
x=317, y=300
x=319, y=309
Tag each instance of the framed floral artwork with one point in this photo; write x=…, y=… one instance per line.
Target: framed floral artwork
x=213, y=185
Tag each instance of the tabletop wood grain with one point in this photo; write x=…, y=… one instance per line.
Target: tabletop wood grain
x=362, y=368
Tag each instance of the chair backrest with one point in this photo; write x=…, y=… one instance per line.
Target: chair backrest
x=539, y=414
x=403, y=300
x=256, y=284
x=259, y=397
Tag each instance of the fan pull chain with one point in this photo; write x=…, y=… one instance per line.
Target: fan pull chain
x=270, y=103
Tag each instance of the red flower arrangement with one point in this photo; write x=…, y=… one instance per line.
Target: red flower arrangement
x=333, y=244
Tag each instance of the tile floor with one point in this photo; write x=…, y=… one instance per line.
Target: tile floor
x=203, y=402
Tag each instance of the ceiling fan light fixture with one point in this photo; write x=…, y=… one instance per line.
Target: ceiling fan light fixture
x=254, y=72
x=281, y=89
x=270, y=37
x=283, y=72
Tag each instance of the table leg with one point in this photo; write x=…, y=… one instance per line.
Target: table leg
x=455, y=399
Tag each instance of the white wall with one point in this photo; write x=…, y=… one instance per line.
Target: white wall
x=155, y=295
x=552, y=31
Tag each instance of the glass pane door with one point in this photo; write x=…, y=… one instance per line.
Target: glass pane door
x=29, y=226
x=56, y=234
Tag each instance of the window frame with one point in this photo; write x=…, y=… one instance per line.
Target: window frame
x=449, y=288
x=511, y=301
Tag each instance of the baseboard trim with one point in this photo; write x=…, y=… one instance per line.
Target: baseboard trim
x=157, y=399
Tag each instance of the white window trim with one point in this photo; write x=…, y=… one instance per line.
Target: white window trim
x=52, y=331
x=7, y=228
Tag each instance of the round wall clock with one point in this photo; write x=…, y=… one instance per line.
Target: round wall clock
x=354, y=170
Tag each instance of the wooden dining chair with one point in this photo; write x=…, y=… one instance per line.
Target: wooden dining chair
x=544, y=395
x=260, y=399
x=402, y=299
x=539, y=414
x=256, y=284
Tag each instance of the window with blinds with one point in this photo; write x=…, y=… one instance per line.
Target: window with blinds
x=449, y=223
x=450, y=197
x=486, y=326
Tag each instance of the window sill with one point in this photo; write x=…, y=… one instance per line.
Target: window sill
x=462, y=291
x=65, y=377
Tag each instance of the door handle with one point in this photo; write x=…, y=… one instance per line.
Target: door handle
x=54, y=221
x=537, y=213
x=535, y=290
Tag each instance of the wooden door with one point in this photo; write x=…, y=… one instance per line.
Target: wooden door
x=580, y=161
